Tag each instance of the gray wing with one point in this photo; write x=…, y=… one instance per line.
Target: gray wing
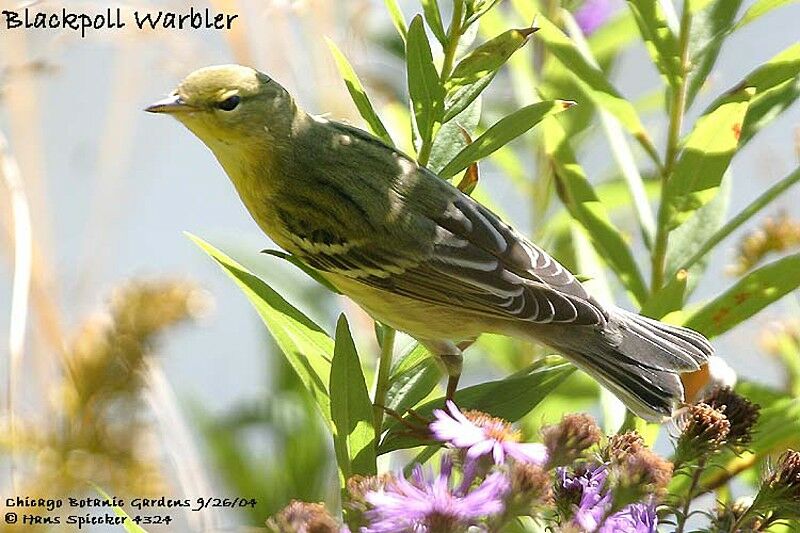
x=476, y=262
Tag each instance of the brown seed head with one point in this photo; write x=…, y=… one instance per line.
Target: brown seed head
x=303, y=517
x=740, y=412
x=568, y=439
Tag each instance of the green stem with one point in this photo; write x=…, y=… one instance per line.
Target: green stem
x=382, y=385
x=453, y=36
x=450, y=48
x=733, y=224
x=681, y=519
x=677, y=111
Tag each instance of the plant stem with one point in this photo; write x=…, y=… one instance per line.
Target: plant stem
x=676, y=112
x=453, y=36
x=681, y=519
x=382, y=385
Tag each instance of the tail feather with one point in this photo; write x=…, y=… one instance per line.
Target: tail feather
x=639, y=359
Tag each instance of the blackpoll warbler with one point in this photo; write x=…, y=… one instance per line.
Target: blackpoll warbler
x=411, y=249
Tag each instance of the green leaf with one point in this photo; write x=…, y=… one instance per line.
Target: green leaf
x=434, y=17
x=659, y=39
x=759, y=8
x=310, y=272
x=590, y=78
x=484, y=7
x=748, y=296
x=712, y=22
x=128, y=525
x=706, y=154
x=351, y=409
x=582, y=202
x=690, y=236
x=424, y=87
x=668, y=298
x=358, y=94
x=766, y=198
x=306, y=346
x=450, y=138
x=396, y=15
x=502, y=132
x=462, y=97
x=412, y=380
x=777, y=84
x=510, y=398
x=487, y=59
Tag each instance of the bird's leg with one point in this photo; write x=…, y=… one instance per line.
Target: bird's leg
x=451, y=360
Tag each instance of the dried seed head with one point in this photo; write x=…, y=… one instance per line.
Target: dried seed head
x=358, y=486
x=776, y=234
x=647, y=470
x=567, y=440
x=530, y=486
x=623, y=445
x=742, y=414
x=704, y=430
x=787, y=474
x=303, y=517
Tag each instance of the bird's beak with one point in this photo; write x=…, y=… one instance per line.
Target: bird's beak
x=172, y=104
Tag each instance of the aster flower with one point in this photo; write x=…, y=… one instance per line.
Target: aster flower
x=419, y=505
x=480, y=434
x=592, y=504
x=592, y=14
x=635, y=518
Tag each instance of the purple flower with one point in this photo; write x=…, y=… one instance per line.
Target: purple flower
x=595, y=502
x=422, y=506
x=481, y=434
x=635, y=518
x=592, y=14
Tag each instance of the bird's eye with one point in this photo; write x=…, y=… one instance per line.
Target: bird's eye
x=230, y=103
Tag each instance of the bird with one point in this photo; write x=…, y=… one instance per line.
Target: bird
x=412, y=250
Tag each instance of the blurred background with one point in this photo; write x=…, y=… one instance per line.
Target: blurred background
x=143, y=367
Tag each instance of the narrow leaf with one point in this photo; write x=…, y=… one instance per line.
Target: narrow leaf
x=765, y=199
x=510, y=398
x=661, y=43
x=712, y=22
x=590, y=78
x=759, y=8
x=502, y=132
x=668, y=298
x=310, y=272
x=434, y=17
x=751, y=294
x=583, y=204
x=396, y=15
x=705, y=158
x=351, y=409
x=777, y=85
x=306, y=346
x=413, y=386
x=128, y=525
x=487, y=59
x=462, y=97
x=358, y=94
x=690, y=236
x=424, y=87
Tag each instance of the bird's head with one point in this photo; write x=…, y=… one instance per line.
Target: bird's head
x=230, y=105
